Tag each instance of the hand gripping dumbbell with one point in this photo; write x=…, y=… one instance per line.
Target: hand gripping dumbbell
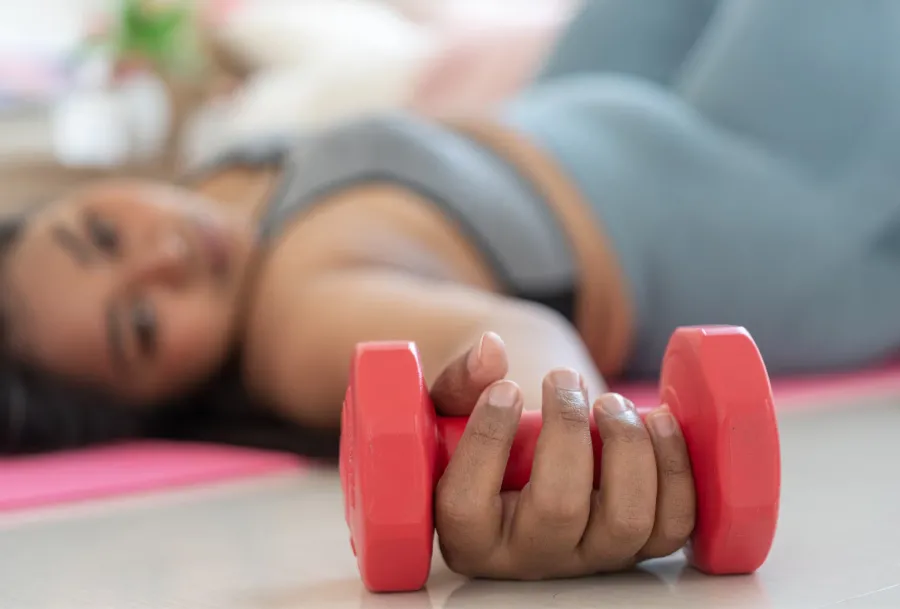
x=394, y=449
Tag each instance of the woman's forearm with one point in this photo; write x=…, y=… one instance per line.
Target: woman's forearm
x=538, y=340
x=302, y=368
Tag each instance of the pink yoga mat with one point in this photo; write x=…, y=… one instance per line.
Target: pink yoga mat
x=126, y=469
x=793, y=393
x=148, y=467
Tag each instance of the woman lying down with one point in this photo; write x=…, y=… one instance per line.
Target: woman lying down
x=686, y=162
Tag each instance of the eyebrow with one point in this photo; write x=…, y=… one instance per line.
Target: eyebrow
x=73, y=245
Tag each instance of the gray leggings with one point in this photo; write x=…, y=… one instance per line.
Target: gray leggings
x=744, y=156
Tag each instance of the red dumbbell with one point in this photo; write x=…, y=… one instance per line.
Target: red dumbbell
x=394, y=449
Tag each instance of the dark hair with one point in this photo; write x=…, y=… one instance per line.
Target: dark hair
x=40, y=411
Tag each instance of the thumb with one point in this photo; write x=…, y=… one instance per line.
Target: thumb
x=456, y=391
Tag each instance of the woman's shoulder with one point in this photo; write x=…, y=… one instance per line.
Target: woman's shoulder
x=259, y=151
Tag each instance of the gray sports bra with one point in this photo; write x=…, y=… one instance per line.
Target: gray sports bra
x=499, y=210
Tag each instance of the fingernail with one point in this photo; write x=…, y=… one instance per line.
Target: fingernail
x=566, y=379
x=473, y=362
x=614, y=404
x=662, y=423
x=489, y=346
x=504, y=394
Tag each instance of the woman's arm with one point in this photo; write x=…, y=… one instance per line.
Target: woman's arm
x=298, y=356
x=558, y=525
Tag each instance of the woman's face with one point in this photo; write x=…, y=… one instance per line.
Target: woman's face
x=131, y=285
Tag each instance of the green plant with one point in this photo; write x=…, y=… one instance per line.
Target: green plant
x=158, y=34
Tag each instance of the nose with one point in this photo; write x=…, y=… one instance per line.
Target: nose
x=166, y=260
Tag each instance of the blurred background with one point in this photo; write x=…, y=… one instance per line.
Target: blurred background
x=153, y=87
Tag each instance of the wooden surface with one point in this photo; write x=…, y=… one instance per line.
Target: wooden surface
x=281, y=543
x=27, y=182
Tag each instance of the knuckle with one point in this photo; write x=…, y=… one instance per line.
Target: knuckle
x=632, y=432
x=678, y=532
x=457, y=546
x=573, y=410
x=678, y=526
x=451, y=513
x=460, y=562
x=674, y=468
x=489, y=432
x=630, y=527
x=670, y=536
x=557, y=512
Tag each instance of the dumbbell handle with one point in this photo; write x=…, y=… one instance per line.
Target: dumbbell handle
x=521, y=455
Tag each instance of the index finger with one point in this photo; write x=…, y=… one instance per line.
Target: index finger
x=468, y=509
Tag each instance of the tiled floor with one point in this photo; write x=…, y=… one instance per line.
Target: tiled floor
x=281, y=543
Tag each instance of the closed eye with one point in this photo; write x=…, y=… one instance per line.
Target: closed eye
x=102, y=234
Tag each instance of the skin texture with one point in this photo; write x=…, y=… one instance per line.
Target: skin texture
x=558, y=525
x=373, y=262
x=128, y=254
